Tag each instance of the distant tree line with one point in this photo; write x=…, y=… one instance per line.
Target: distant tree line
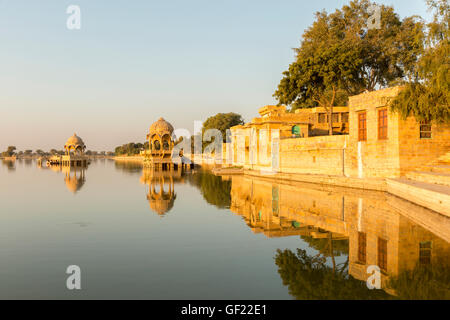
x=11, y=151
x=131, y=149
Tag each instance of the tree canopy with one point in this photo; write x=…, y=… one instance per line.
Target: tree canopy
x=9, y=152
x=427, y=95
x=222, y=122
x=340, y=56
x=131, y=148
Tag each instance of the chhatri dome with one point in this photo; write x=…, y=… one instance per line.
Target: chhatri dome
x=161, y=127
x=75, y=143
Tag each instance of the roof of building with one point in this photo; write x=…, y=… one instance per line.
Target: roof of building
x=161, y=127
x=74, y=142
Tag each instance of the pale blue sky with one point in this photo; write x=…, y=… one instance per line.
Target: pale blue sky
x=135, y=61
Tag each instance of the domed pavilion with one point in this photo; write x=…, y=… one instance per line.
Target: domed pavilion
x=161, y=144
x=74, y=154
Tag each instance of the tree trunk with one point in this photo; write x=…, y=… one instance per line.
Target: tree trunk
x=330, y=120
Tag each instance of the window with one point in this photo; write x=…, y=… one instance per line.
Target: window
x=335, y=117
x=425, y=252
x=382, y=124
x=425, y=130
x=322, y=118
x=345, y=117
x=362, y=126
x=296, y=131
x=382, y=254
x=362, y=247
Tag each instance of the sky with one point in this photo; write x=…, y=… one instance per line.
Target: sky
x=132, y=62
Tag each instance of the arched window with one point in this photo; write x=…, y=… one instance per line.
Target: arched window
x=157, y=145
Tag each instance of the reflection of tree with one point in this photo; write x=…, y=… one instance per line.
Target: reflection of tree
x=328, y=247
x=309, y=278
x=128, y=166
x=430, y=282
x=213, y=189
x=11, y=165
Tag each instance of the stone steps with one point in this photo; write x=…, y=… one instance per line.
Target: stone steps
x=429, y=195
x=441, y=178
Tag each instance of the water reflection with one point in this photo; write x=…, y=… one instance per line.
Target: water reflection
x=215, y=190
x=10, y=164
x=75, y=177
x=129, y=167
x=161, y=188
x=362, y=228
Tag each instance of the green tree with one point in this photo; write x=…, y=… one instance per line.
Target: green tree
x=222, y=122
x=131, y=148
x=427, y=95
x=10, y=151
x=339, y=56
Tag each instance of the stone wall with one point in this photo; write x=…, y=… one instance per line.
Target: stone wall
x=402, y=151
x=414, y=151
x=373, y=157
x=314, y=155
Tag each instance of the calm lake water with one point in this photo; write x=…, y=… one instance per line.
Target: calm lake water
x=206, y=237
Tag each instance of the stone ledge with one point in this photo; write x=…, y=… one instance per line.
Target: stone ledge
x=366, y=184
x=434, y=197
x=430, y=177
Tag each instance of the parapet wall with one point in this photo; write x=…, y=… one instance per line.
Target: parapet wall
x=314, y=155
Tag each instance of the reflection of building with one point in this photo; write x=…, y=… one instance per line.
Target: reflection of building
x=377, y=233
x=74, y=156
x=161, y=192
x=74, y=178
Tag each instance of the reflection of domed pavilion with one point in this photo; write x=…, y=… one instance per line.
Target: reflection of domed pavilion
x=161, y=144
x=74, y=156
x=74, y=178
x=161, y=193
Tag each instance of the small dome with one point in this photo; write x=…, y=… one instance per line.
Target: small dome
x=74, y=142
x=161, y=127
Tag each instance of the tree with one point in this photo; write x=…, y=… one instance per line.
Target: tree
x=222, y=122
x=427, y=95
x=53, y=151
x=40, y=152
x=9, y=152
x=339, y=56
x=130, y=149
